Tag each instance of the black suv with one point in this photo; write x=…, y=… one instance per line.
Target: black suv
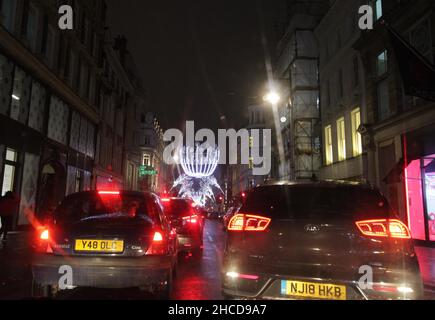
x=319, y=240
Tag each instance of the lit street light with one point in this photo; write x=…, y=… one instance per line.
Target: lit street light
x=272, y=97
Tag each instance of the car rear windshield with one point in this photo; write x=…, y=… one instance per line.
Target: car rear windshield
x=178, y=207
x=306, y=202
x=93, y=206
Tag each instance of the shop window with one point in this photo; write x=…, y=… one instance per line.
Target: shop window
x=356, y=136
x=429, y=194
x=341, y=138
x=420, y=200
x=9, y=171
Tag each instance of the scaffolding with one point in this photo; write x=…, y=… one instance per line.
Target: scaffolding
x=298, y=62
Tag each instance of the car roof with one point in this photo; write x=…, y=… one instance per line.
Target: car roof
x=318, y=183
x=178, y=199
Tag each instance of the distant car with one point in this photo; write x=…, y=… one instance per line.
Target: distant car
x=323, y=240
x=215, y=215
x=110, y=239
x=188, y=222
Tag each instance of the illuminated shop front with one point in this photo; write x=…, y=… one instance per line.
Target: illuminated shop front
x=420, y=185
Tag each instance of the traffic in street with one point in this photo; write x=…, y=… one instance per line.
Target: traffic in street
x=198, y=277
x=248, y=150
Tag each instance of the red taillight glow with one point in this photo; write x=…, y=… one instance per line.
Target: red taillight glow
x=45, y=235
x=158, y=246
x=158, y=237
x=108, y=192
x=384, y=228
x=166, y=200
x=248, y=222
x=235, y=275
x=191, y=219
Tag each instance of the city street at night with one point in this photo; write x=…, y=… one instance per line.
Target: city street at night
x=250, y=152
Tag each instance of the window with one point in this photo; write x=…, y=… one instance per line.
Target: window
x=9, y=171
x=356, y=136
x=31, y=27
x=7, y=8
x=78, y=185
x=340, y=84
x=328, y=145
x=328, y=94
x=355, y=72
x=84, y=76
x=146, y=159
x=17, y=93
x=382, y=64
x=49, y=46
x=341, y=138
x=378, y=9
x=146, y=140
x=72, y=68
x=383, y=100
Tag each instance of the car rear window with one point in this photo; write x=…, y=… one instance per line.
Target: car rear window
x=88, y=206
x=178, y=207
x=306, y=202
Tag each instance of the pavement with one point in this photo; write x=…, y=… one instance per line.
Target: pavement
x=198, y=277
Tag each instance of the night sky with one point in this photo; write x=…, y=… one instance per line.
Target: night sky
x=199, y=59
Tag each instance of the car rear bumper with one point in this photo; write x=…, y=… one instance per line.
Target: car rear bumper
x=188, y=242
x=250, y=283
x=102, y=272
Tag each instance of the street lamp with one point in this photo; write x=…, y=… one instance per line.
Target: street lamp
x=272, y=97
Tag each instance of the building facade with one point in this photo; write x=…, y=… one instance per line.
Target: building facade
x=398, y=133
x=239, y=177
x=343, y=107
x=71, y=106
x=48, y=101
x=153, y=175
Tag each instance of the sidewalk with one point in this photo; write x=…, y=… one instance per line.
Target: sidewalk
x=426, y=258
x=15, y=275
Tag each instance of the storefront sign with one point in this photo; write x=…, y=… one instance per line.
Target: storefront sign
x=147, y=171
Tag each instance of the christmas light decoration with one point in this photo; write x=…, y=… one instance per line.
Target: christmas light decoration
x=197, y=181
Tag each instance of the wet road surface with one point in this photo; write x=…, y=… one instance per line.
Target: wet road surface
x=198, y=276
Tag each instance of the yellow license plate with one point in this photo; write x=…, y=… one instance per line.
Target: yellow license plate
x=90, y=245
x=313, y=290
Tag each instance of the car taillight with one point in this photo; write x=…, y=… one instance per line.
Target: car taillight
x=158, y=245
x=43, y=240
x=45, y=235
x=392, y=228
x=157, y=237
x=110, y=193
x=248, y=222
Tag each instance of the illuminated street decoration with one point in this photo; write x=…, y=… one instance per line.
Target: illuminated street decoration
x=197, y=181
